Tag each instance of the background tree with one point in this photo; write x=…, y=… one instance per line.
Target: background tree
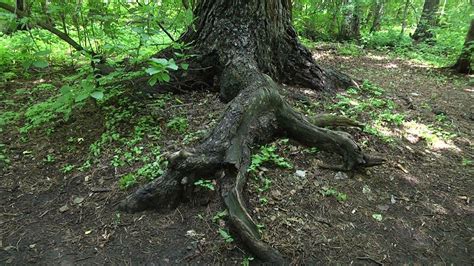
x=404, y=16
x=377, y=14
x=464, y=62
x=350, y=26
x=428, y=20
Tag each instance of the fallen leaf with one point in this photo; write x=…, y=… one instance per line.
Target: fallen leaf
x=64, y=208
x=341, y=176
x=392, y=199
x=377, y=217
x=78, y=200
x=300, y=173
x=366, y=189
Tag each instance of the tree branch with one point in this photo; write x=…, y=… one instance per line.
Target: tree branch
x=63, y=36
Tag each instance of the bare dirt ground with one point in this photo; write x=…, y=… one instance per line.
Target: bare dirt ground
x=416, y=208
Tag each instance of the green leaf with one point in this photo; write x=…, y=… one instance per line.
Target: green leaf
x=160, y=61
x=40, y=64
x=81, y=97
x=172, y=64
x=165, y=77
x=152, y=71
x=152, y=81
x=226, y=236
x=87, y=85
x=98, y=95
x=184, y=66
x=65, y=90
x=43, y=53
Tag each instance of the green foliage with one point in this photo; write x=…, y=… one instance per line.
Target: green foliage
x=246, y=261
x=4, y=160
x=127, y=181
x=369, y=100
x=226, y=236
x=67, y=168
x=193, y=136
x=386, y=39
x=49, y=158
x=219, y=216
x=208, y=184
x=268, y=154
x=325, y=25
x=178, y=124
x=349, y=49
x=159, y=70
x=7, y=118
x=331, y=192
x=467, y=162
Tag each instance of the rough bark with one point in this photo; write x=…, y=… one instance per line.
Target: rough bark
x=245, y=46
x=428, y=20
x=464, y=62
x=350, y=26
x=377, y=14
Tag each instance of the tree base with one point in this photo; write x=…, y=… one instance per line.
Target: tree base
x=245, y=46
x=256, y=115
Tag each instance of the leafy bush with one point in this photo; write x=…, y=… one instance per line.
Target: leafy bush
x=386, y=39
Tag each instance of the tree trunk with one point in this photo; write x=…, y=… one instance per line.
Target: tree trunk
x=428, y=20
x=377, y=13
x=20, y=8
x=464, y=62
x=404, y=18
x=244, y=47
x=350, y=27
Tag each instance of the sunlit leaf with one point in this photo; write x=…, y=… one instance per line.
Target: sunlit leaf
x=152, y=71
x=98, y=95
x=160, y=61
x=40, y=63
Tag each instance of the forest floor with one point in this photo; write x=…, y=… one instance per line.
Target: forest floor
x=418, y=207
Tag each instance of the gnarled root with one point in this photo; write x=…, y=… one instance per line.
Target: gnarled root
x=255, y=115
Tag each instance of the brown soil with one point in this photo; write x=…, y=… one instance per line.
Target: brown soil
x=423, y=193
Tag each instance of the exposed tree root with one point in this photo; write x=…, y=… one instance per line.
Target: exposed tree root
x=255, y=115
x=244, y=46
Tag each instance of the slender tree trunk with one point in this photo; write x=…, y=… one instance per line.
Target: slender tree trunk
x=377, y=13
x=20, y=8
x=405, y=15
x=333, y=27
x=428, y=20
x=350, y=27
x=244, y=47
x=464, y=62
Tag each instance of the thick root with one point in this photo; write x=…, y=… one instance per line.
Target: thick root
x=300, y=129
x=166, y=192
x=241, y=220
x=255, y=115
